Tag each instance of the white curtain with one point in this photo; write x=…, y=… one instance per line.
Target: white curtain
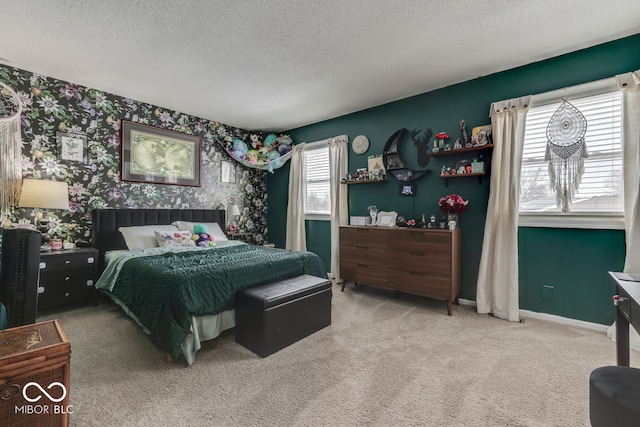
x=497, y=289
x=338, y=166
x=629, y=83
x=296, y=237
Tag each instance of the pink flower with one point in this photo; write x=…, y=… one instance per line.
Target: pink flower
x=453, y=204
x=411, y=222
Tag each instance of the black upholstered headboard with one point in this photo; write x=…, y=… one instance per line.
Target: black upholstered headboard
x=106, y=223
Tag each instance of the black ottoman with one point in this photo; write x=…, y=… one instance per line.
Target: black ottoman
x=614, y=396
x=272, y=316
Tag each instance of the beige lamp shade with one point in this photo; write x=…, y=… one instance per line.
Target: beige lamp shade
x=234, y=210
x=40, y=193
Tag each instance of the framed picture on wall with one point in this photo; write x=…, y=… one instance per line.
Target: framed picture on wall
x=161, y=156
x=72, y=147
x=227, y=172
x=408, y=190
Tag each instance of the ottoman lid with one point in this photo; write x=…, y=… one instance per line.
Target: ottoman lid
x=276, y=293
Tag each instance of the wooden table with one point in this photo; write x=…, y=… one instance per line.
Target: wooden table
x=627, y=312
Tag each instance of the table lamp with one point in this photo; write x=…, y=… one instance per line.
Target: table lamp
x=234, y=211
x=43, y=194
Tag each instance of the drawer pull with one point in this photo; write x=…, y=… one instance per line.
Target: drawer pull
x=90, y=260
x=415, y=273
x=67, y=261
x=40, y=289
x=89, y=282
x=66, y=279
x=417, y=253
x=363, y=266
x=362, y=247
x=43, y=265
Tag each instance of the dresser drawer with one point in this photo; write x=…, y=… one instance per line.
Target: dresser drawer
x=65, y=288
x=427, y=240
x=67, y=261
x=364, y=273
x=438, y=263
x=364, y=237
x=417, y=282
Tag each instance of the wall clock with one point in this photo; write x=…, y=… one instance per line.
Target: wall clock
x=360, y=144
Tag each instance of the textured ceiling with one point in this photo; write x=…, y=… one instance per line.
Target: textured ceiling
x=276, y=65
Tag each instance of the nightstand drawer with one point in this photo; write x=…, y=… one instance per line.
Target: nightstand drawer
x=67, y=277
x=65, y=287
x=67, y=261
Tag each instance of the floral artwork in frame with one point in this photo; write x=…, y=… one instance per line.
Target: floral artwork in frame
x=72, y=147
x=162, y=156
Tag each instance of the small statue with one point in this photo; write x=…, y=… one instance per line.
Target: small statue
x=457, y=145
x=463, y=132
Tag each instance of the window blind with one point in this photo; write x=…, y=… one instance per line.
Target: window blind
x=316, y=166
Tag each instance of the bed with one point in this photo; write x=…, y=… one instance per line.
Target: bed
x=184, y=295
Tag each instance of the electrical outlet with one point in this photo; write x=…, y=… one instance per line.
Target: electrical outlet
x=547, y=292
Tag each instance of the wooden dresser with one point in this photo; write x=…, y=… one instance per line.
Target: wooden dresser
x=413, y=260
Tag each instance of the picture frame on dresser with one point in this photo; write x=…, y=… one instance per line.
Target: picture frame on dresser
x=387, y=219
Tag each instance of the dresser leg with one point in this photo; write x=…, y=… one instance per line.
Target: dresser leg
x=456, y=301
x=449, y=308
x=344, y=283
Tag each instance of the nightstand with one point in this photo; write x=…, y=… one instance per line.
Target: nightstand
x=67, y=276
x=244, y=237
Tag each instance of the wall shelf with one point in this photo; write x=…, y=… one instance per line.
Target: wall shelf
x=461, y=150
x=462, y=175
x=364, y=181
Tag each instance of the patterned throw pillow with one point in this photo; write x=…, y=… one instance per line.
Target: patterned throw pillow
x=174, y=238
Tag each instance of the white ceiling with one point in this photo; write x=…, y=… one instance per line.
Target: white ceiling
x=276, y=65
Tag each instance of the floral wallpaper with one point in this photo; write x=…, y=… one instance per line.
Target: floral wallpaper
x=52, y=106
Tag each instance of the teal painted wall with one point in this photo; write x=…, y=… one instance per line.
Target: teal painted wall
x=442, y=110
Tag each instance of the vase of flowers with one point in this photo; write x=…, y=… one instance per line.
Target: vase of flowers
x=441, y=136
x=452, y=205
x=373, y=212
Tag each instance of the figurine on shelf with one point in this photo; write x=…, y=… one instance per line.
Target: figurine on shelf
x=457, y=145
x=463, y=132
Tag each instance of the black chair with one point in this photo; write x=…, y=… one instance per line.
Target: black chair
x=614, y=397
x=19, y=271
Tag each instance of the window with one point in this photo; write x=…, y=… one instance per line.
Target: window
x=599, y=195
x=316, y=169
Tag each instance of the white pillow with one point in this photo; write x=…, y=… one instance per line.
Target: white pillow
x=143, y=236
x=174, y=238
x=213, y=228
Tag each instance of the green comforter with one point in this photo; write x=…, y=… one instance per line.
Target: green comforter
x=162, y=291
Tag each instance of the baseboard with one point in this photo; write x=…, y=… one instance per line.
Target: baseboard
x=552, y=318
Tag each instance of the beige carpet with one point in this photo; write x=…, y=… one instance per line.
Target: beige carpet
x=383, y=362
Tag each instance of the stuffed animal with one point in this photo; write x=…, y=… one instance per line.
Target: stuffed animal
x=284, y=144
x=273, y=159
x=252, y=156
x=238, y=149
x=269, y=141
x=203, y=239
x=256, y=141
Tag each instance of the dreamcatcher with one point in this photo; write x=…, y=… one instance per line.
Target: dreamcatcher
x=566, y=151
x=10, y=150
